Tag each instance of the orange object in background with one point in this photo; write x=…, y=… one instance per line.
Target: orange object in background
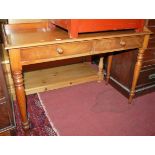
x=75, y=26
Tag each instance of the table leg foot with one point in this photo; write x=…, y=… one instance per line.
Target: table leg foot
x=26, y=125
x=130, y=98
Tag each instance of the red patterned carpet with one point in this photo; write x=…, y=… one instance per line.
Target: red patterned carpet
x=40, y=124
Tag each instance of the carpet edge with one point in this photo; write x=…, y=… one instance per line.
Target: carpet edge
x=47, y=115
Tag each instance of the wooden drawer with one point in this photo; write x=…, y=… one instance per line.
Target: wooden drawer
x=152, y=28
x=120, y=43
x=146, y=76
x=151, y=43
x=55, y=51
x=149, y=54
x=152, y=36
x=151, y=22
x=148, y=64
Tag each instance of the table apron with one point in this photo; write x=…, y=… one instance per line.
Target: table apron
x=61, y=51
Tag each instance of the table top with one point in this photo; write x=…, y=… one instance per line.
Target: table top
x=39, y=34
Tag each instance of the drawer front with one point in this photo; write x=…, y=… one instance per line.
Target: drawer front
x=55, y=51
x=146, y=76
x=151, y=22
x=149, y=54
x=152, y=29
x=148, y=64
x=151, y=43
x=119, y=43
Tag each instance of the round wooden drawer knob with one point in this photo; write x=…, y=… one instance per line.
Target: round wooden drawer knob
x=122, y=43
x=59, y=50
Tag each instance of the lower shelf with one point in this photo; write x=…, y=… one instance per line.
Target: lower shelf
x=59, y=77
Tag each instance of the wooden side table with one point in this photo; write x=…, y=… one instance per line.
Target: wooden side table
x=37, y=43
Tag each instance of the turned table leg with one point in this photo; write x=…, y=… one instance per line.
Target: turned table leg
x=109, y=68
x=136, y=73
x=138, y=67
x=100, y=69
x=19, y=85
x=21, y=99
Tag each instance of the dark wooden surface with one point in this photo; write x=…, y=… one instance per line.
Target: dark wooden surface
x=6, y=111
x=7, y=124
x=123, y=68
